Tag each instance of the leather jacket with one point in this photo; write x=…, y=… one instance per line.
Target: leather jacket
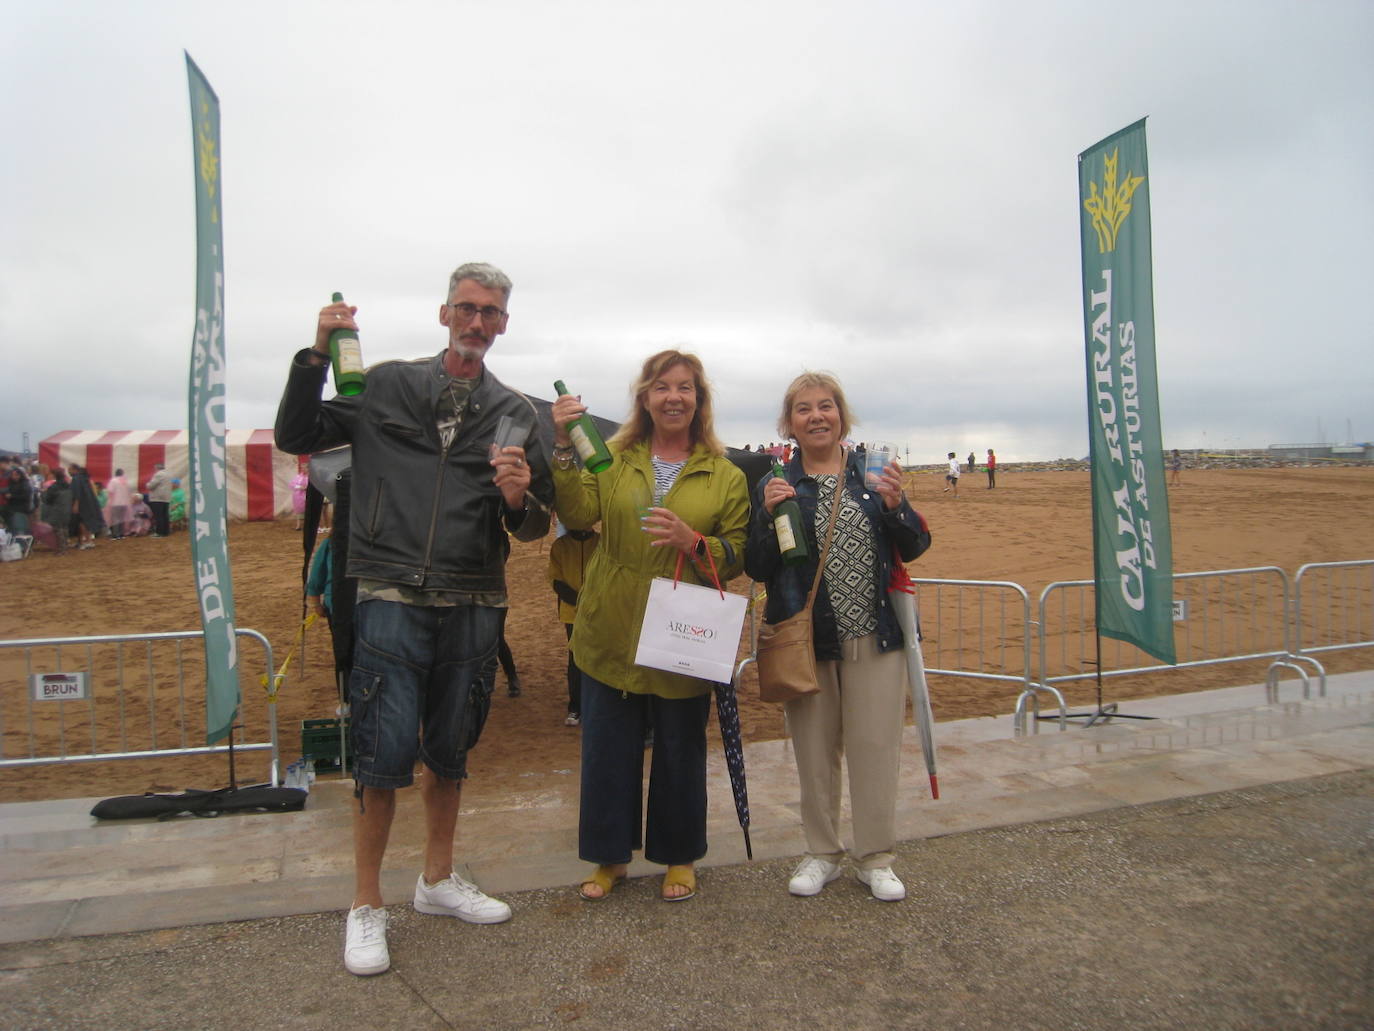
x=788, y=586
x=421, y=515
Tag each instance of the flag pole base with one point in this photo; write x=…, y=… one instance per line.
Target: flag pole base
x=1104, y=713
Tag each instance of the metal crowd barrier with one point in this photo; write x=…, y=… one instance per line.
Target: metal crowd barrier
x=974, y=629
x=1333, y=606
x=1221, y=616
x=989, y=620
x=983, y=630
x=134, y=701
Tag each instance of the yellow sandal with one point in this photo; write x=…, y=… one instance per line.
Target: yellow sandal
x=679, y=876
x=605, y=879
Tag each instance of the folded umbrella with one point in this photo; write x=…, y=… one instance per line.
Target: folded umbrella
x=903, y=595
x=727, y=715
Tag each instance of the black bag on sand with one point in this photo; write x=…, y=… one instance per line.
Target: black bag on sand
x=256, y=798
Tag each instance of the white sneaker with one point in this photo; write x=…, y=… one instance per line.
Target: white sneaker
x=812, y=875
x=884, y=884
x=365, y=942
x=454, y=896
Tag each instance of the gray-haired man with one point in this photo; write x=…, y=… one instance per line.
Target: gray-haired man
x=427, y=545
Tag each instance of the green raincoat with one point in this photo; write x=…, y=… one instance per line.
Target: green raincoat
x=709, y=495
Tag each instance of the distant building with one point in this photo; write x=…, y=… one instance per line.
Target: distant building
x=1324, y=452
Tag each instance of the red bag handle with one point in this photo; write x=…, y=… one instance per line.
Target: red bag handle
x=715, y=575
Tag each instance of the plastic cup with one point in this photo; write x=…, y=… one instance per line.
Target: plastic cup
x=509, y=433
x=645, y=500
x=876, y=460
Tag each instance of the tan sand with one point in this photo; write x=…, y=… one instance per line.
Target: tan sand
x=1033, y=529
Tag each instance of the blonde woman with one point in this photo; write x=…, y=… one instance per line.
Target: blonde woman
x=859, y=712
x=670, y=493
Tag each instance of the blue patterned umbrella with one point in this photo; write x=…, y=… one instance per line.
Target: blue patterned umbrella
x=727, y=715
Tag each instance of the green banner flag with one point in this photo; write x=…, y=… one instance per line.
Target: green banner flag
x=209, y=523
x=1132, y=550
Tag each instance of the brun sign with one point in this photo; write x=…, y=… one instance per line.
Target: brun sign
x=58, y=687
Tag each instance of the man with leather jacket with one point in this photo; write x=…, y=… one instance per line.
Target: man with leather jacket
x=431, y=507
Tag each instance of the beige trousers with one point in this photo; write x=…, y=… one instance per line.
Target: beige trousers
x=858, y=712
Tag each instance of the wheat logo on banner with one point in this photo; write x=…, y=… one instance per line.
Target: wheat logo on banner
x=1110, y=207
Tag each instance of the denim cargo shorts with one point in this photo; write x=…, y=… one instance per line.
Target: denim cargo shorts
x=417, y=689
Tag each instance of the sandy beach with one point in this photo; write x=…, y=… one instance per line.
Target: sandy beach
x=1033, y=530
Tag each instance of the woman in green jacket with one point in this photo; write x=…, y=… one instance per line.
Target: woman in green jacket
x=670, y=495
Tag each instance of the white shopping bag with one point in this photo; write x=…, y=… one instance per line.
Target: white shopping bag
x=692, y=630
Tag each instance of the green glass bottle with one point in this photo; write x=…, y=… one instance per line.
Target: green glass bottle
x=586, y=438
x=787, y=524
x=346, y=355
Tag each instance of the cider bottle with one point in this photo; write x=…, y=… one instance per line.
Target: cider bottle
x=787, y=524
x=586, y=438
x=346, y=355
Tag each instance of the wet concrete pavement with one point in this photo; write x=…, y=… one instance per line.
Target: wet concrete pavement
x=1211, y=869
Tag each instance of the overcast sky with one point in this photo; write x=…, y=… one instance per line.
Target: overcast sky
x=886, y=190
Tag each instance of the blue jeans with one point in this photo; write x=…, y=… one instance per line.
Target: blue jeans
x=614, y=723
x=416, y=689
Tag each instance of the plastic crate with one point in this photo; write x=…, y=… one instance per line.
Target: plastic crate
x=320, y=743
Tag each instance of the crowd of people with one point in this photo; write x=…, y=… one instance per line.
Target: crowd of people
x=432, y=510
x=64, y=509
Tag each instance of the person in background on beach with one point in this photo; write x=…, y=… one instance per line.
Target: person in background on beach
x=85, y=522
x=176, y=508
x=952, y=476
x=140, y=522
x=159, y=498
x=860, y=655
x=298, y=484
x=1175, y=467
x=506, y=659
x=568, y=557
x=992, y=469
x=666, y=448
x=121, y=497
x=431, y=583
x=57, y=508
x=18, y=501
x=972, y=463
x=319, y=585
x=38, y=479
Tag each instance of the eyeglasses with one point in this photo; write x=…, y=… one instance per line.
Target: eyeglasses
x=466, y=310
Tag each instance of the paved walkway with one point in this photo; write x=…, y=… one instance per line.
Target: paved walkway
x=1209, y=868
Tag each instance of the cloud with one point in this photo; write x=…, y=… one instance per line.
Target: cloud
x=883, y=190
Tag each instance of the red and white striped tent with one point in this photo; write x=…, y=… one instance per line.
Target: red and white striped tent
x=259, y=475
